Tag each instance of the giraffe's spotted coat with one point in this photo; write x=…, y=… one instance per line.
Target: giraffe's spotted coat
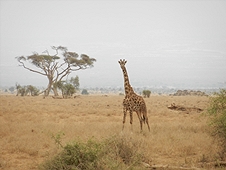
x=132, y=101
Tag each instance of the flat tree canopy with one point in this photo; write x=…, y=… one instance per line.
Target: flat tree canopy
x=55, y=67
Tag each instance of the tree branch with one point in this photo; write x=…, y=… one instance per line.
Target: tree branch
x=31, y=69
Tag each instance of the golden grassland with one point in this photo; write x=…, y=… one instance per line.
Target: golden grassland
x=177, y=138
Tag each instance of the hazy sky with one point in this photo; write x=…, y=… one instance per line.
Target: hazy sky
x=170, y=43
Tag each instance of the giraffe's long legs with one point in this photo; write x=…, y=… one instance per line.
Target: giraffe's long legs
x=147, y=123
x=131, y=119
x=124, y=117
x=140, y=119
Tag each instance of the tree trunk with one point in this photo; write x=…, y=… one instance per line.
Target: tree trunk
x=55, y=91
x=47, y=91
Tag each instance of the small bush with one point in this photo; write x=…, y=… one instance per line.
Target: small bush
x=217, y=113
x=113, y=153
x=146, y=93
x=77, y=155
x=32, y=90
x=85, y=92
x=26, y=90
x=66, y=88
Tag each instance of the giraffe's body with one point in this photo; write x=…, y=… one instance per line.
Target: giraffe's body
x=132, y=101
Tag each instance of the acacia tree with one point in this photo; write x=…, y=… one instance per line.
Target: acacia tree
x=56, y=67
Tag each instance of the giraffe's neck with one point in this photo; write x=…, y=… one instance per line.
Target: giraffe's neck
x=127, y=86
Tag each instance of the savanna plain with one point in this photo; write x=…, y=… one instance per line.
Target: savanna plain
x=176, y=138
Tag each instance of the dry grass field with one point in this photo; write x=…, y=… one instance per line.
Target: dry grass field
x=177, y=138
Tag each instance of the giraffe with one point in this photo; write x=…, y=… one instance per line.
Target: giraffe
x=132, y=102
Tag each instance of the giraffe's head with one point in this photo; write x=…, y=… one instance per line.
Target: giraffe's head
x=122, y=63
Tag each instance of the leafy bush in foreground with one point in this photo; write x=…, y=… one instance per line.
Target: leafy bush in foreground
x=113, y=153
x=217, y=112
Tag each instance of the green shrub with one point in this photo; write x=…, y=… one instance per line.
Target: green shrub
x=113, y=153
x=217, y=113
x=77, y=155
x=66, y=88
x=26, y=90
x=146, y=93
x=85, y=92
x=32, y=90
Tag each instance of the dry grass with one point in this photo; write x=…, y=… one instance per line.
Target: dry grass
x=28, y=123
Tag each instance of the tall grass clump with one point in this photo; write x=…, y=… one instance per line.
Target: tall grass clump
x=123, y=152
x=217, y=113
x=112, y=153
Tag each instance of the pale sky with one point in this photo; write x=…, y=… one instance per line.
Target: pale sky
x=166, y=43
